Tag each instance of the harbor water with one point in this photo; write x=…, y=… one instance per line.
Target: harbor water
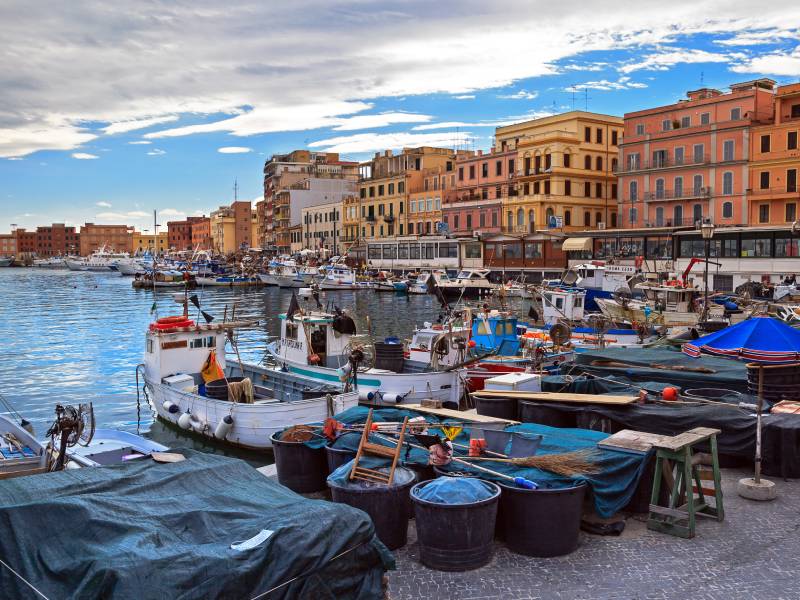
x=72, y=337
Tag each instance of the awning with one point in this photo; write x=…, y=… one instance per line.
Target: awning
x=577, y=244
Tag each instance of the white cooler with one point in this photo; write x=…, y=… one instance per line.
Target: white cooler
x=515, y=382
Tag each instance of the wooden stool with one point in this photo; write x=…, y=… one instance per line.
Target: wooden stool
x=678, y=465
x=365, y=446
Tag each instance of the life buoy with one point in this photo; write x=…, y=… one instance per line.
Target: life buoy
x=167, y=326
x=173, y=319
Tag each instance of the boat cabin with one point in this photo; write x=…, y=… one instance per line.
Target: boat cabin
x=598, y=276
x=667, y=298
x=448, y=343
x=473, y=275
x=495, y=332
x=312, y=339
x=182, y=350
x=562, y=304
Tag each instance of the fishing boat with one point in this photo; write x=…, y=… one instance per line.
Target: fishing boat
x=7, y=261
x=55, y=262
x=514, y=289
x=164, y=279
x=469, y=283
x=180, y=355
x=420, y=285
x=287, y=276
x=323, y=348
x=599, y=280
x=339, y=278
x=389, y=285
x=228, y=280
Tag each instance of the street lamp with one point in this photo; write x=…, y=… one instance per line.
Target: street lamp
x=707, y=231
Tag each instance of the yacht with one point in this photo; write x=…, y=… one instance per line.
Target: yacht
x=100, y=260
x=469, y=283
x=340, y=277
x=55, y=262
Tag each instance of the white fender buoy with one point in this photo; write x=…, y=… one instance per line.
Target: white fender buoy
x=197, y=424
x=395, y=398
x=224, y=427
x=170, y=407
x=185, y=420
x=366, y=396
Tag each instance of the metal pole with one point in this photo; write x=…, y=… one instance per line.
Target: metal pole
x=760, y=404
x=705, y=281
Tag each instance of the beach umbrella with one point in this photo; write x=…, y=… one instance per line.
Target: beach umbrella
x=759, y=339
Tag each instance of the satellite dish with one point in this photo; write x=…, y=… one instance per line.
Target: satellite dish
x=569, y=277
x=560, y=334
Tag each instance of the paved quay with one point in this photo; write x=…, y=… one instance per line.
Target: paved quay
x=752, y=554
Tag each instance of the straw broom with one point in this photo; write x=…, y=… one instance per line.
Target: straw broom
x=569, y=464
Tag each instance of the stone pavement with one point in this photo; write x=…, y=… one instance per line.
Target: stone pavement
x=754, y=554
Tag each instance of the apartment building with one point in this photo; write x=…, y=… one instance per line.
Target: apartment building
x=564, y=172
x=322, y=227
x=8, y=245
x=201, y=234
x=473, y=206
x=425, y=201
x=145, y=241
x=688, y=161
x=57, y=240
x=114, y=237
x=180, y=233
x=772, y=193
x=232, y=227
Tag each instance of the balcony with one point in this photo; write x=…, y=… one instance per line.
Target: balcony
x=370, y=218
x=776, y=191
x=666, y=163
x=687, y=222
x=703, y=192
x=388, y=218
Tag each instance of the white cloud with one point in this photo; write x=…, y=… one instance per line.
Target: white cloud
x=156, y=152
x=623, y=83
x=139, y=142
x=135, y=124
x=464, y=97
x=212, y=68
x=15, y=158
x=662, y=61
x=84, y=156
x=103, y=204
x=123, y=217
x=368, y=142
x=171, y=212
x=775, y=63
x=234, y=150
x=449, y=125
x=756, y=38
x=379, y=120
x=521, y=95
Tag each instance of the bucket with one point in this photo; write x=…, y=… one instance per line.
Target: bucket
x=541, y=522
x=218, y=389
x=389, y=356
x=300, y=468
x=499, y=408
x=455, y=537
x=336, y=457
x=536, y=412
x=387, y=506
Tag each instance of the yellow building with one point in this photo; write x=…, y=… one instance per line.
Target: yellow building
x=142, y=242
x=254, y=229
x=223, y=230
x=565, y=172
x=384, y=187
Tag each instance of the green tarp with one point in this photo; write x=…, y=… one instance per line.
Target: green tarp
x=145, y=530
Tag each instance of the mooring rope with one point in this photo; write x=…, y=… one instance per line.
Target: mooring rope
x=28, y=583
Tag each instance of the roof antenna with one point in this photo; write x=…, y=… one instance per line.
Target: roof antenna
x=586, y=98
x=702, y=78
x=235, y=190
x=573, y=96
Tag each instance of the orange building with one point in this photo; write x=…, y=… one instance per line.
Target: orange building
x=201, y=233
x=116, y=237
x=425, y=200
x=688, y=161
x=773, y=196
x=56, y=240
x=181, y=233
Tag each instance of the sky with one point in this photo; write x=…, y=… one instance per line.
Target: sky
x=109, y=111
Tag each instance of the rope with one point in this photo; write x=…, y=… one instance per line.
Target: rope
x=28, y=583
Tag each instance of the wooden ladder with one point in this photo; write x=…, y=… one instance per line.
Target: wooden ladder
x=678, y=466
x=367, y=447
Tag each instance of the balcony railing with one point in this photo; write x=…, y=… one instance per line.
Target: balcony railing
x=687, y=222
x=665, y=163
x=388, y=218
x=773, y=190
x=703, y=192
x=370, y=218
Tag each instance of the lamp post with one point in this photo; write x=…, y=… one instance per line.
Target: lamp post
x=707, y=231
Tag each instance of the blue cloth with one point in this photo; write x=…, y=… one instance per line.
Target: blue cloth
x=760, y=339
x=455, y=490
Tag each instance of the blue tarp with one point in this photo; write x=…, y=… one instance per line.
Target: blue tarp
x=455, y=490
x=760, y=339
x=612, y=488
x=146, y=530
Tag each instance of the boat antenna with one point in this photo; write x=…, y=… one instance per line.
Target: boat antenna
x=155, y=254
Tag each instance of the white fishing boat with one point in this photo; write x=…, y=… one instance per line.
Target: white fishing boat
x=228, y=280
x=339, y=277
x=514, y=289
x=55, y=262
x=469, y=283
x=287, y=276
x=420, y=285
x=179, y=352
x=323, y=349
x=101, y=260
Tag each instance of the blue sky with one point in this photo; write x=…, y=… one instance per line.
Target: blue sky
x=107, y=115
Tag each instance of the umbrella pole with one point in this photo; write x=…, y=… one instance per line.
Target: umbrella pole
x=755, y=488
x=760, y=404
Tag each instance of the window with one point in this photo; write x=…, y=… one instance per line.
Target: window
x=599, y=135
x=699, y=152
x=727, y=150
x=494, y=218
x=791, y=212
x=566, y=161
x=763, y=213
x=520, y=217
x=510, y=166
x=679, y=155
x=587, y=134
x=429, y=204
x=660, y=191
x=472, y=250
x=613, y=220
x=587, y=189
x=791, y=140
x=727, y=183
x=533, y=250
x=372, y=191
x=482, y=219
x=791, y=180
x=401, y=207
x=705, y=118
x=484, y=169
x=631, y=216
x=414, y=248
x=755, y=245
x=614, y=137
x=698, y=213
x=633, y=161
x=472, y=171
x=548, y=161
x=587, y=162
x=659, y=158
x=736, y=114
x=461, y=173
x=660, y=216
x=401, y=187
x=786, y=247
x=587, y=218
x=469, y=221
x=598, y=190
x=640, y=129
x=410, y=228
x=634, y=191
x=697, y=185
x=510, y=220
x=437, y=203
x=448, y=250
x=723, y=283
x=547, y=187
x=598, y=163
x=666, y=124
x=795, y=111
x=391, y=189
x=413, y=206
x=567, y=187
x=567, y=217
x=677, y=185
x=498, y=167
x=727, y=210
x=380, y=190
x=766, y=142
x=764, y=180
x=614, y=191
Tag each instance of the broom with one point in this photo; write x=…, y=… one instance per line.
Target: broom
x=569, y=464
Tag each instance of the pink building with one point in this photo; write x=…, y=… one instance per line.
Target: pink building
x=482, y=181
x=688, y=162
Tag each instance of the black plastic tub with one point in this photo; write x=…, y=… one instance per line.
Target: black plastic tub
x=300, y=468
x=387, y=506
x=541, y=522
x=439, y=472
x=534, y=412
x=218, y=389
x=455, y=537
x=423, y=472
x=500, y=408
x=336, y=457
